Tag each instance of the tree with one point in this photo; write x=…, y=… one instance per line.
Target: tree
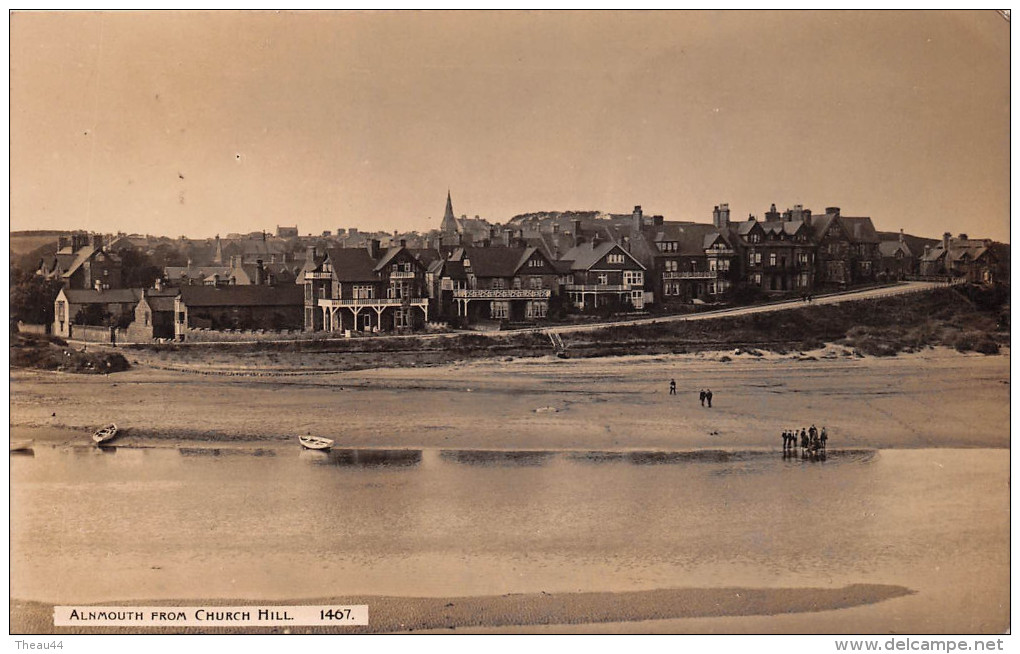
x=138, y=269
x=32, y=298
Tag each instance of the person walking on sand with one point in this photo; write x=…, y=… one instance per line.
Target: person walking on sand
x=672, y=387
x=702, y=396
x=708, y=396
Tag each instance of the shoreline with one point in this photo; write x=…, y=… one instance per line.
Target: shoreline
x=570, y=611
x=912, y=401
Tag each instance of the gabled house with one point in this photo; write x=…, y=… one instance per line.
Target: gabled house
x=896, y=259
x=92, y=306
x=847, y=250
x=366, y=289
x=81, y=262
x=777, y=254
x=512, y=284
x=693, y=261
x=154, y=315
x=604, y=274
x=975, y=260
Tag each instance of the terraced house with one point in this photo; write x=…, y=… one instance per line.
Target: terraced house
x=366, y=289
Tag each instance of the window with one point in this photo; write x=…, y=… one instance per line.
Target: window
x=536, y=309
x=535, y=263
x=637, y=299
x=146, y=316
x=498, y=284
x=756, y=279
x=772, y=259
x=363, y=292
x=803, y=258
x=518, y=284
x=60, y=311
x=755, y=238
x=723, y=264
x=713, y=265
x=536, y=283
x=401, y=319
x=671, y=265
x=603, y=278
x=499, y=310
x=633, y=277
x=615, y=258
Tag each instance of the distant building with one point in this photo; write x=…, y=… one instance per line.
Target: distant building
x=286, y=232
x=81, y=262
x=975, y=260
x=237, y=307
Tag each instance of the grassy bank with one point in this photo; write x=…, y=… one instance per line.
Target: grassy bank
x=52, y=353
x=962, y=318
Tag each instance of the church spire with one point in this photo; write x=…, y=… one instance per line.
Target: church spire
x=449, y=223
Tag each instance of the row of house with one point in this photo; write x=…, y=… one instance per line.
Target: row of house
x=518, y=274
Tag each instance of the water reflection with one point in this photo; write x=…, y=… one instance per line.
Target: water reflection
x=497, y=457
x=224, y=451
x=364, y=458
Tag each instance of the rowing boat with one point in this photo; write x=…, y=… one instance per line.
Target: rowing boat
x=315, y=442
x=104, y=434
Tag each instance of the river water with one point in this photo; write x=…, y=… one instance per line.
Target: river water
x=90, y=524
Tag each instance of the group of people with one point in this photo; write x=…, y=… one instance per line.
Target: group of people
x=705, y=394
x=811, y=439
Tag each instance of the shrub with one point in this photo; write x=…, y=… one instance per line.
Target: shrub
x=987, y=346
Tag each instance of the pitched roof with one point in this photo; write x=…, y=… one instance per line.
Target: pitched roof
x=860, y=228
x=585, y=255
x=242, y=296
x=110, y=296
x=387, y=257
x=497, y=261
x=890, y=248
x=352, y=264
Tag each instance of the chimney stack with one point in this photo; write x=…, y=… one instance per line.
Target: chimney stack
x=901, y=234
x=260, y=273
x=657, y=221
x=963, y=237
x=638, y=219
x=945, y=241
x=833, y=211
x=403, y=242
x=577, y=231
x=373, y=248
x=721, y=216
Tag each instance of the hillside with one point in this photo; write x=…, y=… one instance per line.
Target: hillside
x=26, y=241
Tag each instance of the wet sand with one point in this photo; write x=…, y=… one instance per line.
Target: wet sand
x=938, y=398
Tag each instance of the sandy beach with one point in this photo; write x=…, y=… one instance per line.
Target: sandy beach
x=922, y=402
x=926, y=399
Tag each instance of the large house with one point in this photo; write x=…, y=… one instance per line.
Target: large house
x=366, y=289
x=976, y=260
x=81, y=262
x=511, y=284
x=75, y=306
x=600, y=272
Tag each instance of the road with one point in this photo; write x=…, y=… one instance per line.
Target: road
x=832, y=298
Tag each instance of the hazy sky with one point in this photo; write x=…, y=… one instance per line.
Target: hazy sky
x=204, y=123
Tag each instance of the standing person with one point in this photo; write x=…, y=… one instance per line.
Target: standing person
x=708, y=396
x=803, y=438
x=824, y=437
x=672, y=387
x=702, y=396
x=786, y=440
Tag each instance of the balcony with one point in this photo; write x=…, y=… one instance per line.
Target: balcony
x=318, y=275
x=502, y=294
x=691, y=274
x=402, y=275
x=602, y=288
x=330, y=303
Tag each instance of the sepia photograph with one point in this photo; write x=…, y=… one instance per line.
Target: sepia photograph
x=510, y=322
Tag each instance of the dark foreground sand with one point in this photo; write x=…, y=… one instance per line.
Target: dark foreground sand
x=407, y=614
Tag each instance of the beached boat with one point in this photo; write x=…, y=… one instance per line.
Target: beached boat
x=104, y=434
x=21, y=446
x=315, y=442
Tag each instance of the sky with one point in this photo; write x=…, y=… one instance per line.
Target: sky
x=190, y=123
